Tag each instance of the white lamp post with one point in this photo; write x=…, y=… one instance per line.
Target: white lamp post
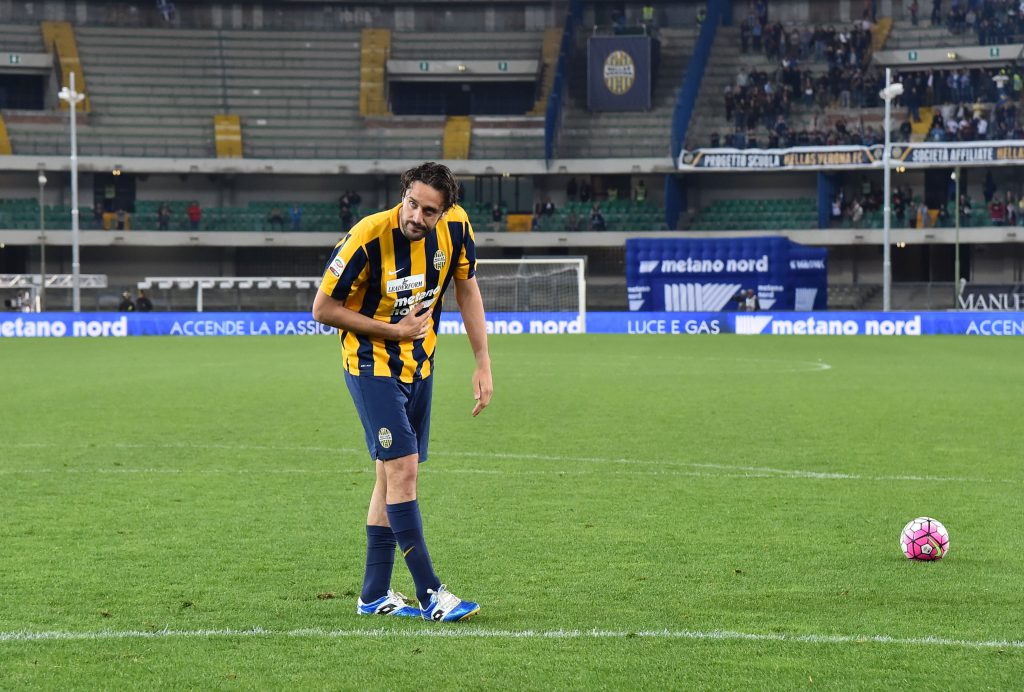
x=956, y=245
x=42, y=243
x=73, y=98
x=887, y=94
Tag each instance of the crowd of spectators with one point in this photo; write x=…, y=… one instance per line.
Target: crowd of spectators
x=969, y=104
x=759, y=105
x=935, y=87
x=994, y=22
x=836, y=47
x=770, y=108
x=997, y=208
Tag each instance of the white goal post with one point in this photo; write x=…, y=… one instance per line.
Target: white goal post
x=524, y=285
x=533, y=284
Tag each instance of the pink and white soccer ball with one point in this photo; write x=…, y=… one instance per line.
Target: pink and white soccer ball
x=924, y=538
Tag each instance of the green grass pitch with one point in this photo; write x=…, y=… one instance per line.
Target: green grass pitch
x=710, y=512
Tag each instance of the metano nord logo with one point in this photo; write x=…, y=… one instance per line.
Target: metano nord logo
x=619, y=72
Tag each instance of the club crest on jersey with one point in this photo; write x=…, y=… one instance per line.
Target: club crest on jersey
x=406, y=283
x=337, y=266
x=384, y=437
x=439, y=260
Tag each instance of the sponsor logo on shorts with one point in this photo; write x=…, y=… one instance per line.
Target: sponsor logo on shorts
x=384, y=437
x=406, y=283
x=439, y=259
x=337, y=266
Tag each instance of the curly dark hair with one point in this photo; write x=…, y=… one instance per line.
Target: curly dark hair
x=437, y=176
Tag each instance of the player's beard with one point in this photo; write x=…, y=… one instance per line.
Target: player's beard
x=414, y=231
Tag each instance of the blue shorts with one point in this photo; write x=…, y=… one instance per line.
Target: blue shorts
x=395, y=414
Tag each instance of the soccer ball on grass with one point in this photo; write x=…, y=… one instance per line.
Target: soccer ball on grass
x=924, y=538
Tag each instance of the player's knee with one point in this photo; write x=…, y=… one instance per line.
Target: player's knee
x=402, y=472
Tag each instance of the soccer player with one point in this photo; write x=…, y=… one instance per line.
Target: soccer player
x=382, y=289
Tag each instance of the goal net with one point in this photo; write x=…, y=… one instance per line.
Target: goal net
x=539, y=285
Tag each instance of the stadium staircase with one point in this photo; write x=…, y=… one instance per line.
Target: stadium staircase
x=919, y=130
x=880, y=32
x=457, y=132
x=374, y=51
x=227, y=132
x=59, y=38
x=549, y=60
x=5, y=140
x=626, y=134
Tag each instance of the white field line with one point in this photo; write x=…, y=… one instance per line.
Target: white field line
x=471, y=632
x=665, y=468
x=762, y=366
x=368, y=471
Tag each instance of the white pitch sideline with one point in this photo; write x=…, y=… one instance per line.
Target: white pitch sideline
x=459, y=632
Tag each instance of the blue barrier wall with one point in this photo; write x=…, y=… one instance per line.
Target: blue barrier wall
x=687, y=98
x=553, y=112
x=685, y=102
x=113, y=324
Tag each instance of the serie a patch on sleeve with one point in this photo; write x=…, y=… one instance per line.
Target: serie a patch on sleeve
x=337, y=266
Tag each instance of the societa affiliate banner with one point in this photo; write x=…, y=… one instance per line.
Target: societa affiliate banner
x=910, y=155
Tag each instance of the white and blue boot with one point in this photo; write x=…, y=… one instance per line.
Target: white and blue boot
x=444, y=606
x=392, y=603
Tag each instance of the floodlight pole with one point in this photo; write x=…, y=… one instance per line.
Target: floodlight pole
x=887, y=191
x=42, y=243
x=73, y=98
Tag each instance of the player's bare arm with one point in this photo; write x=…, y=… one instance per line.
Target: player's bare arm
x=332, y=312
x=471, y=305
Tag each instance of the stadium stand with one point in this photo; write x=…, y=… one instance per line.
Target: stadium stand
x=802, y=87
x=850, y=297
x=617, y=215
x=156, y=92
x=757, y=214
x=514, y=45
x=21, y=38
x=631, y=134
x=979, y=23
x=490, y=137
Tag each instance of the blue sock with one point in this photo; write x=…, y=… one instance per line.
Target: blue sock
x=380, y=559
x=407, y=526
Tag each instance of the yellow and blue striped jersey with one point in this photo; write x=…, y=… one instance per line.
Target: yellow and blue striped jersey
x=375, y=270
